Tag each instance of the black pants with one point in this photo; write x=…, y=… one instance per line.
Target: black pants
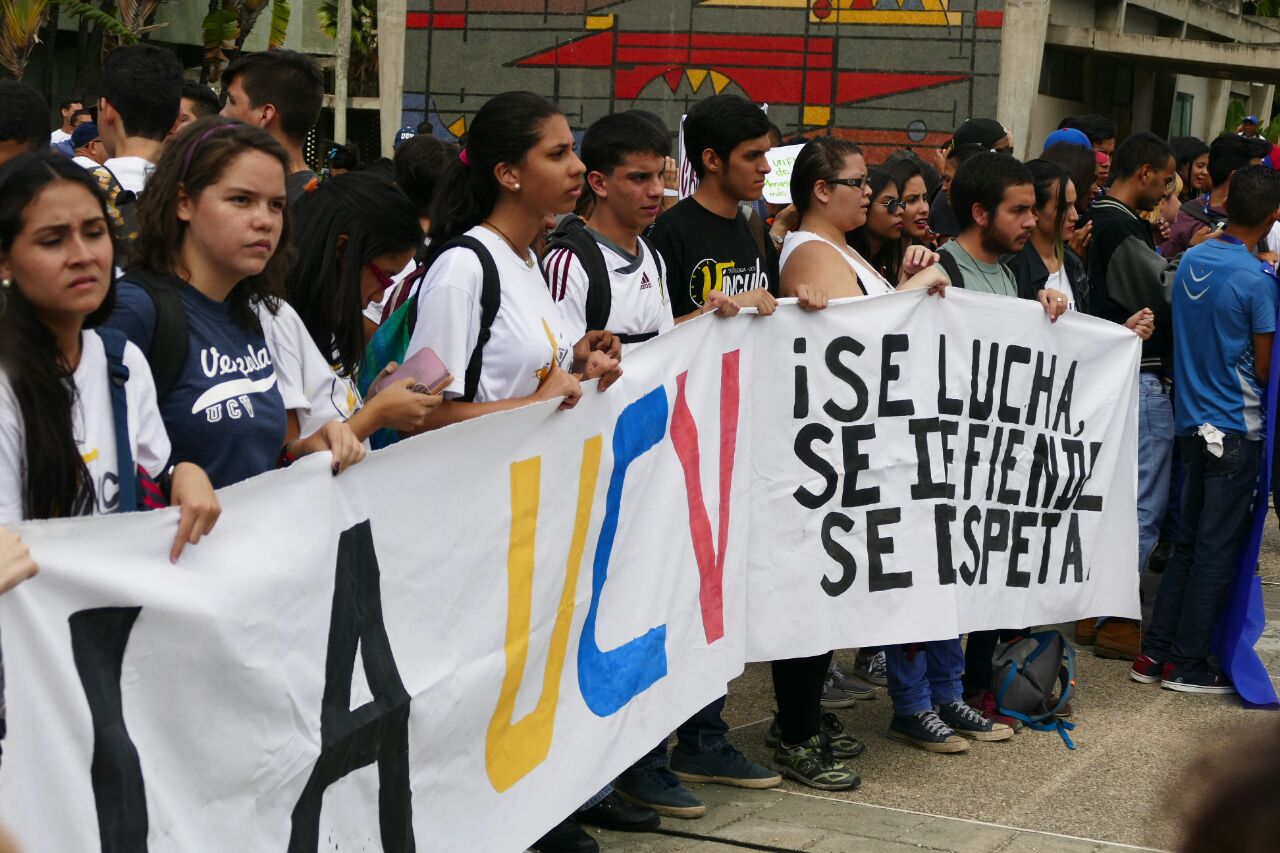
x=977, y=658
x=797, y=688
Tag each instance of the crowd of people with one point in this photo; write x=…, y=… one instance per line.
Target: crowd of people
x=185, y=304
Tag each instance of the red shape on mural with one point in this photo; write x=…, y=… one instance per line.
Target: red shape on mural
x=781, y=70
x=434, y=21
x=988, y=19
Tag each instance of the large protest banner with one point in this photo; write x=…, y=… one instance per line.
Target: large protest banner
x=457, y=642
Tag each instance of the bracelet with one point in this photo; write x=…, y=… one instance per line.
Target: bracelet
x=286, y=457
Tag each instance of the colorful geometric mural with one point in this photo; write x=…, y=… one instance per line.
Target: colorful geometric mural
x=886, y=73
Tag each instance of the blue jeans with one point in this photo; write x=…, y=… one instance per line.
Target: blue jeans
x=1155, y=460
x=923, y=675
x=1216, y=500
x=703, y=732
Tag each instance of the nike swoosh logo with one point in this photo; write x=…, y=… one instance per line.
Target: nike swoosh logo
x=1198, y=278
x=1194, y=296
x=227, y=390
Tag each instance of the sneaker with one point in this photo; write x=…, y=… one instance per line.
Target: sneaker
x=841, y=691
x=1119, y=639
x=566, y=837
x=968, y=722
x=658, y=788
x=1087, y=631
x=872, y=668
x=984, y=702
x=617, y=814
x=722, y=766
x=843, y=745
x=1202, y=680
x=1159, y=558
x=926, y=731
x=812, y=763
x=1146, y=671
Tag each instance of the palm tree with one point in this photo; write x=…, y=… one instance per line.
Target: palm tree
x=363, y=72
x=21, y=20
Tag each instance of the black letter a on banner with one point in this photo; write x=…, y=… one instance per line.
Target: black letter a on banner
x=376, y=731
x=98, y=640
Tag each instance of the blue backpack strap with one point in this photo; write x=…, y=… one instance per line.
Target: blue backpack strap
x=113, y=342
x=490, y=299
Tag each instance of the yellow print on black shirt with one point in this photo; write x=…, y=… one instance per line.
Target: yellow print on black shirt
x=726, y=276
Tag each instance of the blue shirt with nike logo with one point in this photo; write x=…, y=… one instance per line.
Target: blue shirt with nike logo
x=1222, y=297
x=224, y=411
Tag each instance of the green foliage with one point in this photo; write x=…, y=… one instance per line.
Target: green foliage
x=221, y=32
x=107, y=22
x=280, y=13
x=1235, y=115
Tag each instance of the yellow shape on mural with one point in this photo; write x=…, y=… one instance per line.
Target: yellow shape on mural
x=916, y=13
x=817, y=115
x=719, y=81
x=697, y=76
x=459, y=127
x=599, y=22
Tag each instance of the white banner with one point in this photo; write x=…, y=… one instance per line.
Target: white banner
x=460, y=640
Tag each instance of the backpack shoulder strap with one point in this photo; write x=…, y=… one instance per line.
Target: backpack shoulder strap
x=599, y=288
x=948, y=262
x=113, y=342
x=1195, y=209
x=169, y=338
x=756, y=226
x=490, y=300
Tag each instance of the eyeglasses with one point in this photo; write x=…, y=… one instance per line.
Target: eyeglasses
x=856, y=183
x=384, y=280
x=890, y=205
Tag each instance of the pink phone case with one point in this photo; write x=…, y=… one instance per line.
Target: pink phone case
x=425, y=368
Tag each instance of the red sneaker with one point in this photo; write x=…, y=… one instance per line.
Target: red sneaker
x=984, y=702
x=1147, y=671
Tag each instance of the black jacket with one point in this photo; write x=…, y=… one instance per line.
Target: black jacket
x=1031, y=274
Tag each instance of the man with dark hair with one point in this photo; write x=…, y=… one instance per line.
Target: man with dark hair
x=1224, y=322
x=281, y=91
x=994, y=201
x=141, y=85
x=24, y=120
x=1249, y=127
x=1127, y=275
x=197, y=101
x=80, y=117
x=68, y=108
x=1202, y=217
x=1101, y=131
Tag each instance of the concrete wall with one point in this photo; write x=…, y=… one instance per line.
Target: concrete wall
x=887, y=73
x=1045, y=115
x=1198, y=89
x=1072, y=13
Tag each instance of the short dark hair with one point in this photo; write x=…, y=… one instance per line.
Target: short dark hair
x=143, y=83
x=287, y=80
x=24, y=117
x=610, y=139
x=85, y=112
x=1254, y=195
x=982, y=179
x=1098, y=128
x=1141, y=149
x=1230, y=152
x=820, y=159
x=66, y=104
x=1080, y=165
x=203, y=100
x=721, y=123
x=420, y=163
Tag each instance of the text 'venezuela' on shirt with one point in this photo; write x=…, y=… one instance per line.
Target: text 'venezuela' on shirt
x=224, y=411
x=705, y=252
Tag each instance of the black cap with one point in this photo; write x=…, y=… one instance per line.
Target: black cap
x=980, y=131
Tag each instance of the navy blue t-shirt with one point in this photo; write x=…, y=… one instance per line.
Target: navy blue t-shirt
x=224, y=411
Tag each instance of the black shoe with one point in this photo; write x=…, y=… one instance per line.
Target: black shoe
x=614, y=813
x=1159, y=558
x=566, y=837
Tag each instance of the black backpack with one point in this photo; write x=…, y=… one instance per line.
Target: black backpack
x=572, y=234
x=168, y=351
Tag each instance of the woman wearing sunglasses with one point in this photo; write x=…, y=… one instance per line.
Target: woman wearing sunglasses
x=355, y=232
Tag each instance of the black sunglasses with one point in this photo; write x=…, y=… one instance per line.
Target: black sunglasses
x=856, y=183
x=891, y=205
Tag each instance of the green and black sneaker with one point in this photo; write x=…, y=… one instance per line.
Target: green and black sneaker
x=843, y=745
x=812, y=763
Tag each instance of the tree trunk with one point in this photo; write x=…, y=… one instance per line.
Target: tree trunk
x=51, y=51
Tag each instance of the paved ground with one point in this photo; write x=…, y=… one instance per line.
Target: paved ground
x=1116, y=790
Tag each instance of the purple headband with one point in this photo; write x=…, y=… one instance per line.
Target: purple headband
x=466, y=160
x=186, y=158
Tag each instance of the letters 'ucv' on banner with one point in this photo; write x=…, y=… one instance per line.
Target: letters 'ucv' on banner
x=457, y=642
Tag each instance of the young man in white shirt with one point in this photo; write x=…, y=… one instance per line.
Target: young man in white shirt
x=141, y=87
x=68, y=108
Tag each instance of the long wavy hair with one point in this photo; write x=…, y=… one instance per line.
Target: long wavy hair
x=192, y=161
x=56, y=482
x=323, y=286
x=887, y=261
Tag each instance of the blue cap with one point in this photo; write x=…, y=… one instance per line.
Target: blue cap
x=1251, y=119
x=405, y=133
x=84, y=134
x=1069, y=135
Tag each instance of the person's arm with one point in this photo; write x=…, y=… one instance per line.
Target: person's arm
x=396, y=407
x=819, y=267
x=16, y=564
x=556, y=385
x=335, y=436
x=1262, y=355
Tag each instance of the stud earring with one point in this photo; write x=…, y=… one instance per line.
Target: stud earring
x=517, y=188
x=6, y=283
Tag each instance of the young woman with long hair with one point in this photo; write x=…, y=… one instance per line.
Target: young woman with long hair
x=879, y=238
x=1046, y=261
x=353, y=234
x=518, y=167
x=1192, y=156
x=913, y=197
x=212, y=235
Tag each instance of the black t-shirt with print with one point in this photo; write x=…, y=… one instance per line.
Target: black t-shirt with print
x=705, y=252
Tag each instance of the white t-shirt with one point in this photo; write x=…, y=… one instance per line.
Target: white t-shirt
x=84, y=162
x=58, y=135
x=638, y=302
x=872, y=282
x=528, y=334
x=1273, y=239
x=131, y=172
x=309, y=385
x=1059, y=281
x=93, y=425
